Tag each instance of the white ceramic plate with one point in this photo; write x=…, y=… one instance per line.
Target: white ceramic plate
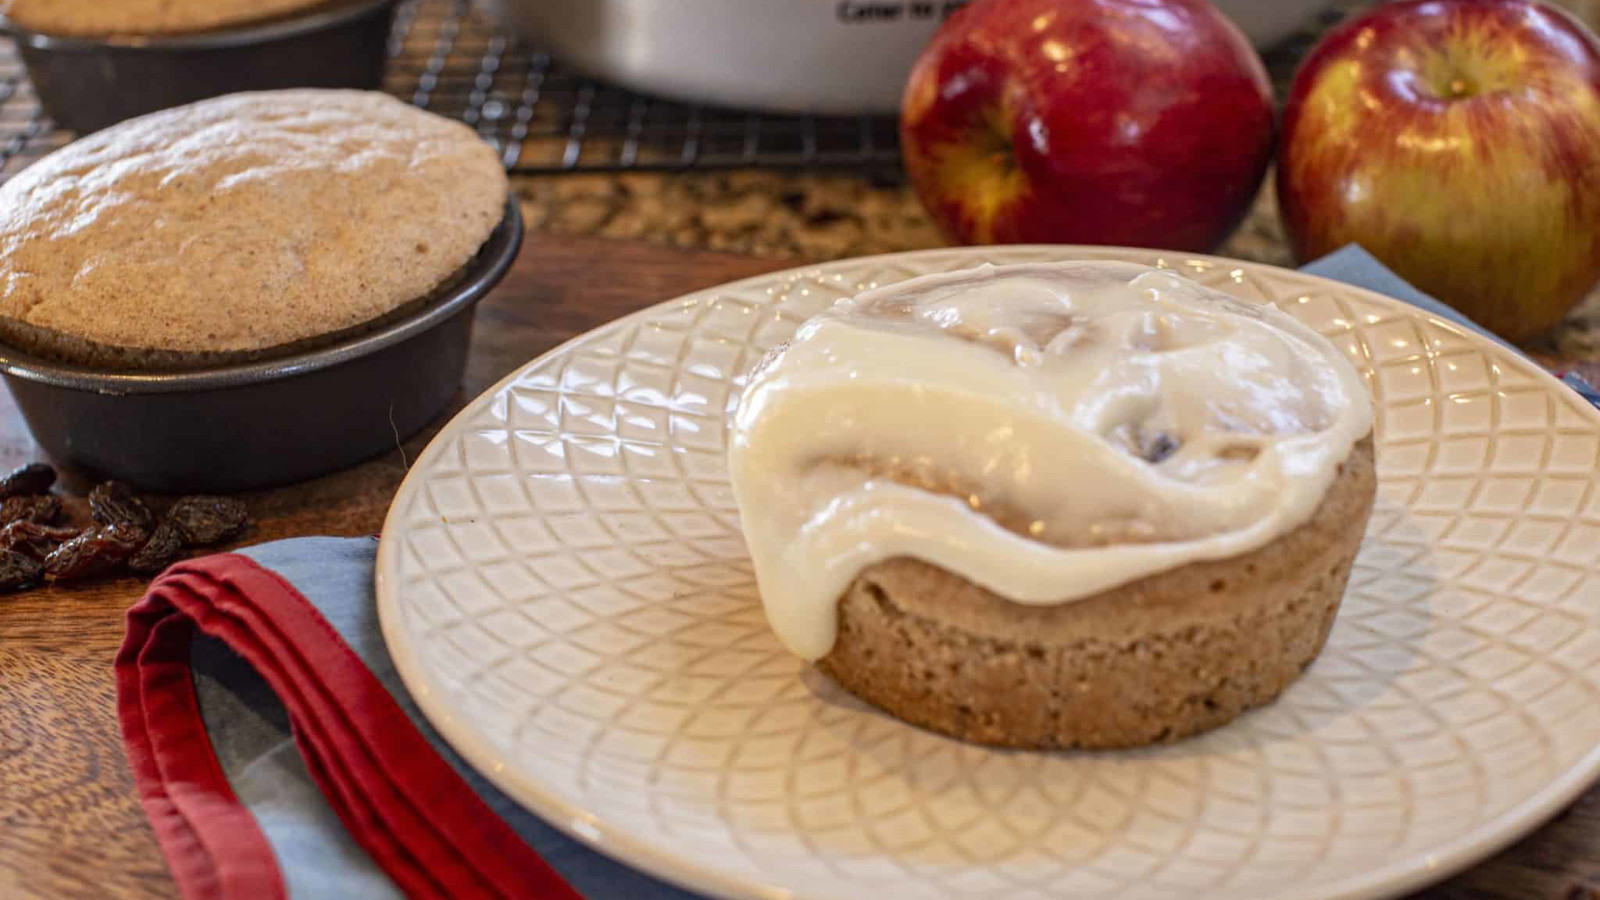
x=563, y=586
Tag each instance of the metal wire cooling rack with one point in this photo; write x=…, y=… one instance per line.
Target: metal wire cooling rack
x=448, y=56
x=450, y=59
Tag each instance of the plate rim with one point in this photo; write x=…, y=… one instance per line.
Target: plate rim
x=589, y=829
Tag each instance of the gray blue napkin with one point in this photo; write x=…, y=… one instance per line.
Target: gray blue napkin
x=250, y=732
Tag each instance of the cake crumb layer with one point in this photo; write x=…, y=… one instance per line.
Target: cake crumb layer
x=1153, y=661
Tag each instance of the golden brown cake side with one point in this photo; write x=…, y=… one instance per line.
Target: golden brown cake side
x=1156, y=660
x=99, y=18
x=65, y=348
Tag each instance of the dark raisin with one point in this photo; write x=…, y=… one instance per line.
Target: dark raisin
x=208, y=520
x=18, y=572
x=114, y=503
x=41, y=508
x=163, y=547
x=98, y=551
x=34, y=539
x=1158, y=447
x=33, y=478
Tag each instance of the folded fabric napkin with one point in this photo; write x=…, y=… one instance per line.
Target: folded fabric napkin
x=277, y=753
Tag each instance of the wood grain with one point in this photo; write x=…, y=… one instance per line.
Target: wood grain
x=70, y=825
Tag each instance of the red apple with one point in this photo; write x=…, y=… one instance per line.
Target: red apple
x=1459, y=141
x=1136, y=122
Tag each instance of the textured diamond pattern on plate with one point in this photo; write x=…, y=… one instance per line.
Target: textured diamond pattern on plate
x=564, y=584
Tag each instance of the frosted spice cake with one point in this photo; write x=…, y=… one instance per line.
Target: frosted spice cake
x=1050, y=506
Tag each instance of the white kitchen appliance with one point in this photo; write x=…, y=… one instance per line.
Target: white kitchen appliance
x=803, y=56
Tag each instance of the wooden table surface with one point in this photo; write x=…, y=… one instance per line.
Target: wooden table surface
x=70, y=825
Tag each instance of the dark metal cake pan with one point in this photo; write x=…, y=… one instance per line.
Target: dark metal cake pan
x=86, y=84
x=263, y=423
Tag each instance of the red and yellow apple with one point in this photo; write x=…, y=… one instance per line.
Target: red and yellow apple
x=1459, y=141
x=1137, y=122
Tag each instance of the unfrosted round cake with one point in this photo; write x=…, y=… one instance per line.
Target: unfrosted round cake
x=241, y=227
x=102, y=18
x=1072, y=505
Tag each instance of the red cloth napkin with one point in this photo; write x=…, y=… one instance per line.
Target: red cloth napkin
x=408, y=808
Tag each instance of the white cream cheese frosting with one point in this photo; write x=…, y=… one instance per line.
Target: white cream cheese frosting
x=1047, y=431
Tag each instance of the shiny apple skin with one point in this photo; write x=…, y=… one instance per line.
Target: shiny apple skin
x=1489, y=200
x=1129, y=122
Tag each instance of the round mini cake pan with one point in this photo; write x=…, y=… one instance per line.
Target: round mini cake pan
x=86, y=84
x=263, y=423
